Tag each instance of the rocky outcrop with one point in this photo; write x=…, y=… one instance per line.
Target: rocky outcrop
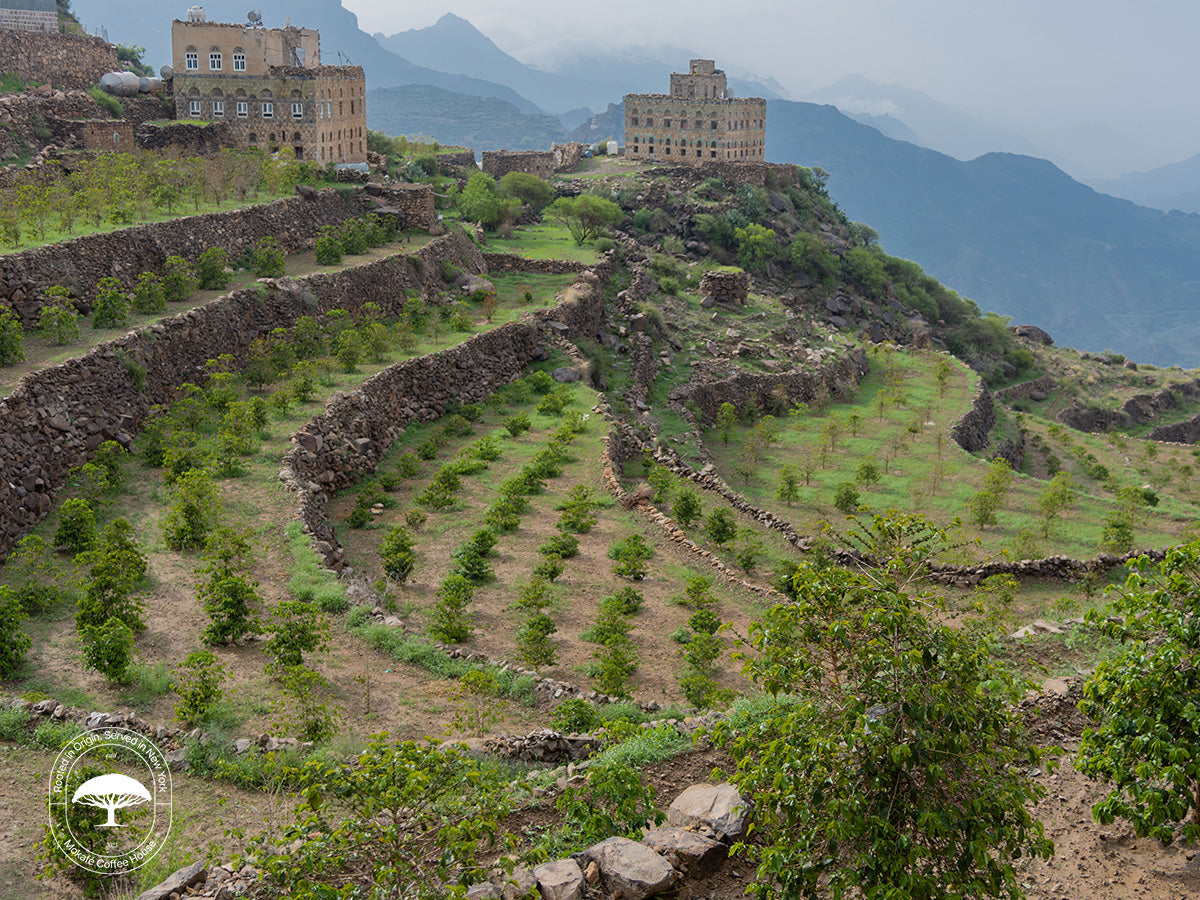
x=973, y=431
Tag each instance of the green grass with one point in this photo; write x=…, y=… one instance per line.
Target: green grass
x=544, y=241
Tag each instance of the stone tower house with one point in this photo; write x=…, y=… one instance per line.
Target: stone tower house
x=697, y=122
x=269, y=87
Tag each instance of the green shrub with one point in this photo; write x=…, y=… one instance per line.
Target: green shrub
x=212, y=270
x=516, y=424
x=631, y=555
x=578, y=510
x=110, y=308
x=561, y=545
x=76, y=526
x=408, y=465
x=58, y=318
x=195, y=510
x=267, y=259
x=721, y=526
x=117, y=566
x=108, y=649
x=396, y=554
x=14, y=642
x=148, y=294
x=296, y=628
x=329, y=247
x=451, y=622
x=575, y=716
x=197, y=682
x=534, y=645
x=686, y=509
x=178, y=281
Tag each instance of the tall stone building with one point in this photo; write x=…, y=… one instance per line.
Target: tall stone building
x=29, y=15
x=697, y=122
x=269, y=87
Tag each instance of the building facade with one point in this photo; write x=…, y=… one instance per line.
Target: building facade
x=697, y=122
x=29, y=15
x=269, y=87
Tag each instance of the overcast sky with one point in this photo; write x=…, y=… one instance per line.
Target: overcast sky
x=1033, y=64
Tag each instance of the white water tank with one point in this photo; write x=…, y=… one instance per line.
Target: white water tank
x=196, y=14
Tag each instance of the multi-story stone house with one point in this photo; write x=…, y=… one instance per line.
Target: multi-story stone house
x=267, y=85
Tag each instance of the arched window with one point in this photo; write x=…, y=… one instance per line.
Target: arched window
x=239, y=59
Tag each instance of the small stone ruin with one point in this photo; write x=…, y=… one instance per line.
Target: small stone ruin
x=729, y=288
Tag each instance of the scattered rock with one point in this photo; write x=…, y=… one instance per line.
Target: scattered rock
x=717, y=807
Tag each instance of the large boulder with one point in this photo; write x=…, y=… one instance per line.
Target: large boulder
x=690, y=853
x=560, y=880
x=629, y=867
x=717, y=807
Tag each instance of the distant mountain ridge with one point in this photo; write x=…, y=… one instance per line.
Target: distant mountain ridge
x=482, y=123
x=1174, y=186
x=1013, y=233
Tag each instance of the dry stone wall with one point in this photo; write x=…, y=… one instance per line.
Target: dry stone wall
x=499, y=163
x=62, y=60
x=125, y=254
x=508, y=262
x=346, y=441
x=59, y=415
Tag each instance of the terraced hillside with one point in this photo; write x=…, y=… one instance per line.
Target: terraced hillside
x=465, y=486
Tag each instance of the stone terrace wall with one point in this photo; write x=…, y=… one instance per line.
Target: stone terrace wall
x=499, y=163
x=356, y=430
x=63, y=60
x=508, y=262
x=741, y=389
x=82, y=262
x=194, y=140
x=59, y=415
x=567, y=156
x=973, y=431
x=460, y=160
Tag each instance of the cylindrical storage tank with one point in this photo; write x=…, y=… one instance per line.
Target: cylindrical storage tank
x=167, y=72
x=146, y=84
x=121, y=84
x=612, y=148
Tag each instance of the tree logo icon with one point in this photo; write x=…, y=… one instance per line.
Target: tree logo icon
x=111, y=792
x=110, y=801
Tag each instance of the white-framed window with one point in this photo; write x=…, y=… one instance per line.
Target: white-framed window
x=214, y=61
x=194, y=109
x=218, y=107
x=239, y=61
x=191, y=60
x=243, y=109
x=297, y=110
x=268, y=109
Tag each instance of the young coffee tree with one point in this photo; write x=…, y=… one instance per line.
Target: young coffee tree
x=894, y=763
x=1147, y=743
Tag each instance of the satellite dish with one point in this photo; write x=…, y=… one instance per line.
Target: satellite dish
x=254, y=16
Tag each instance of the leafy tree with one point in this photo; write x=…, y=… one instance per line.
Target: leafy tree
x=212, y=269
x=1055, y=500
x=534, y=645
x=721, y=526
x=587, y=217
x=12, y=339
x=227, y=592
x=117, y=567
x=686, y=509
x=631, y=556
x=14, y=642
x=726, y=421
x=57, y=318
x=297, y=627
x=449, y=806
x=329, y=246
x=451, y=622
x=788, y=489
x=178, y=280
x=76, y=529
x=845, y=497
x=194, y=512
x=808, y=254
x=1147, y=743
x=396, y=554
x=148, y=294
x=310, y=717
x=267, y=260
x=527, y=188
x=108, y=649
x=662, y=481
x=892, y=763
x=110, y=308
x=756, y=245
x=197, y=683
x=481, y=203
x=867, y=474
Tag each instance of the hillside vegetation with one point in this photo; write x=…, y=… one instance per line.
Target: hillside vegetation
x=717, y=508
